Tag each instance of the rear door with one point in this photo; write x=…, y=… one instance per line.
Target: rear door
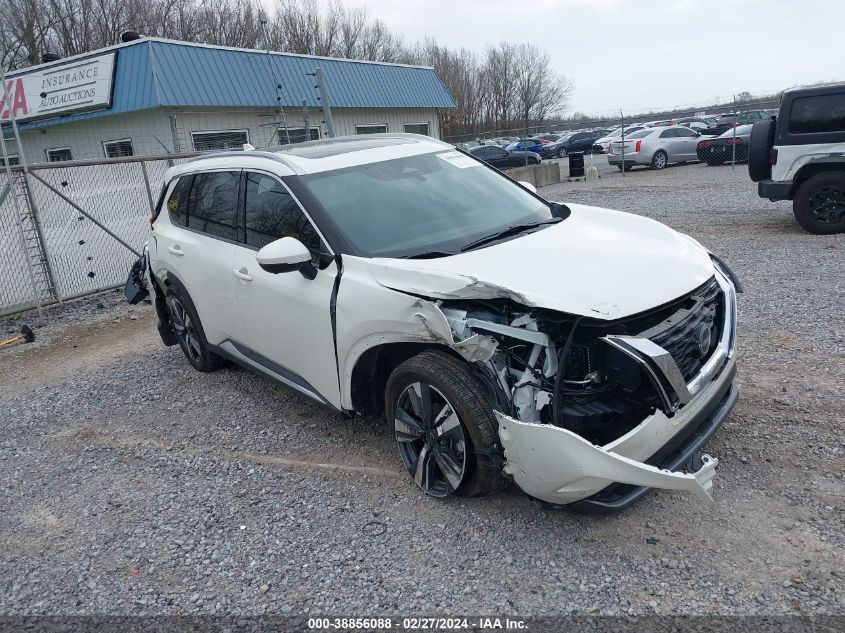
x=687, y=142
x=285, y=317
x=198, y=243
x=669, y=144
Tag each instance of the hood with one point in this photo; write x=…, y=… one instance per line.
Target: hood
x=597, y=263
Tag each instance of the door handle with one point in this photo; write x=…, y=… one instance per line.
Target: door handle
x=242, y=274
x=175, y=250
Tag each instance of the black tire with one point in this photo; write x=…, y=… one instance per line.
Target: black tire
x=626, y=167
x=760, y=145
x=659, y=160
x=561, y=153
x=819, y=203
x=186, y=324
x=452, y=378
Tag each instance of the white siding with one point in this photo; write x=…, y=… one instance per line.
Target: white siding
x=150, y=131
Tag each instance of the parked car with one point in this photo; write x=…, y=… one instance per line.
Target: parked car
x=395, y=276
x=551, y=150
x=798, y=156
x=694, y=123
x=526, y=145
x=549, y=136
x=722, y=149
x=732, y=119
x=602, y=145
x=575, y=142
x=500, y=158
x=655, y=146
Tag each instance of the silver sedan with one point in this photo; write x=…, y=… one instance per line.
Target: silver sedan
x=655, y=146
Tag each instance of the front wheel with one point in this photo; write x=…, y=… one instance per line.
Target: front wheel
x=561, y=153
x=660, y=159
x=444, y=426
x=819, y=204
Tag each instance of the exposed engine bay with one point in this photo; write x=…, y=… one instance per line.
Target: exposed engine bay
x=578, y=373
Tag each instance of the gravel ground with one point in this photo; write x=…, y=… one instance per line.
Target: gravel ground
x=132, y=484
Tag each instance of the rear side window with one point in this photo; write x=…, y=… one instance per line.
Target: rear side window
x=177, y=203
x=823, y=113
x=669, y=134
x=213, y=204
x=272, y=213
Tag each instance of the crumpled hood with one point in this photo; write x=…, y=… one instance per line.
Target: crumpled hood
x=596, y=263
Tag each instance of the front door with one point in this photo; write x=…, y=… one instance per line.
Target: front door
x=285, y=317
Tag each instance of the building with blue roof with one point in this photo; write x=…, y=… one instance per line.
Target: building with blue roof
x=153, y=96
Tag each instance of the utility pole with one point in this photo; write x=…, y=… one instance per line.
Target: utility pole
x=733, y=145
x=262, y=18
x=324, y=99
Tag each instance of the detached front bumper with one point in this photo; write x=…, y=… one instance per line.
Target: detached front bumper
x=559, y=466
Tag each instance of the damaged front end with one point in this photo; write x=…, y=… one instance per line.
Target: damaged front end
x=604, y=410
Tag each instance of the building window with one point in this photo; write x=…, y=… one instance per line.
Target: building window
x=58, y=154
x=371, y=128
x=417, y=128
x=116, y=149
x=219, y=139
x=297, y=134
x=13, y=159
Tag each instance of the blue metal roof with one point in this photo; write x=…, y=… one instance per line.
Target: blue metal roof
x=152, y=73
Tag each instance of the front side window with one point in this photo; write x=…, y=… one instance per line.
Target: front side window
x=822, y=113
x=417, y=205
x=212, y=208
x=272, y=213
x=370, y=129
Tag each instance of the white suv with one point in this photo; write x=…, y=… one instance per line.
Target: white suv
x=583, y=353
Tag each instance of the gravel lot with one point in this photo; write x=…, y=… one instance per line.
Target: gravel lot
x=132, y=484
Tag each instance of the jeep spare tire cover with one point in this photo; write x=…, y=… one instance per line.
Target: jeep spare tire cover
x=762, y=140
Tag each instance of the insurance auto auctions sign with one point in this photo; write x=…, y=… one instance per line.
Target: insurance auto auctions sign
x=77, y=85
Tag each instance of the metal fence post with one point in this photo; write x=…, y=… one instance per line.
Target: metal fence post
x=147, y=185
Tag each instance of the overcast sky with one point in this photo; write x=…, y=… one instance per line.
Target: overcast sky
x=644, y=54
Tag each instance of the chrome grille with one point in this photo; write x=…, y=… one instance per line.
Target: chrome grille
x=691, y=332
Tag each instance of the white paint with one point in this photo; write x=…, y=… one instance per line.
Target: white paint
x=598, y=263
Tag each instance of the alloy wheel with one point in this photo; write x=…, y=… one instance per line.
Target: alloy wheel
x=659, y=160
x=432, y=441
x=828, y=205
x=185, y=329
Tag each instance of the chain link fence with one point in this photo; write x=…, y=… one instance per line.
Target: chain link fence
x=74, y=228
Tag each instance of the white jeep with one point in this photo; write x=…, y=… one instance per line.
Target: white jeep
x=800, y=156
x=583, y=353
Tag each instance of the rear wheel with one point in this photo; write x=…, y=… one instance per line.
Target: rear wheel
x=660, y=159
x=444, y=426
x=819, y=204
x=186, y=325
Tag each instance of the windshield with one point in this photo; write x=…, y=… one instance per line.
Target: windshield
x=419, y=204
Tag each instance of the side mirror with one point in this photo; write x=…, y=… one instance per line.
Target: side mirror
x=286, y=255
x=528, y=186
